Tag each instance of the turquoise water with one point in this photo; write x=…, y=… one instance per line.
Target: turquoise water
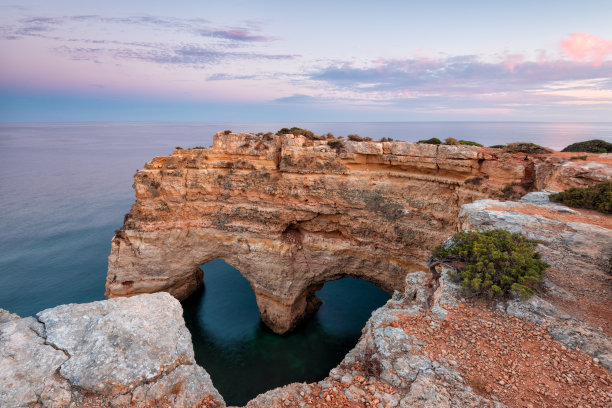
x=244, y=358
x=64, y=189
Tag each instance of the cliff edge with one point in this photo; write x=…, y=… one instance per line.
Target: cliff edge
x=291, y=213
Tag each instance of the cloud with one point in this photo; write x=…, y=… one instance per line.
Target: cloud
x=186, y=55
x=580, y=46
x=298, y=98
x=229, y=77
x=85, y=37
x=195, y=27
x=456, y=75
x=240, y=35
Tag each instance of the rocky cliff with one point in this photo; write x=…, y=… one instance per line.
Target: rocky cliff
x=292, y=213
x=427, y=347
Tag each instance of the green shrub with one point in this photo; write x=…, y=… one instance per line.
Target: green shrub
x=525, y=147
x=433, y=140
x=355, y=138
x=596, y=197
x=386, y=139
x=497, y=146
x=493, y=263
x=590, y=146
x=578, y=158
x=470, y=143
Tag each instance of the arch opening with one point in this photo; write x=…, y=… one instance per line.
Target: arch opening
x=246, y=358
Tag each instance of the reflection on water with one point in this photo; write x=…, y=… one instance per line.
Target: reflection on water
x=244, y=358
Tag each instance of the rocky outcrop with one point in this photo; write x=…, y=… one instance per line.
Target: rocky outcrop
x=292, y=213
x=127, y=352
x=429, y=347
x=576, y=243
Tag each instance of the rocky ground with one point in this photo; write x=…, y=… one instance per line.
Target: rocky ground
x=434, y=349
x=427, y=347
x=124, y=352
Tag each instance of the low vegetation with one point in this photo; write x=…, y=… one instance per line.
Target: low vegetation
x=525, y=147
x=578, y=157
x=335, y=144
x=451, y=141
x=433, y=140
x=590, y=146
x=470, y=143
x=299, y=131
x=492, y=263
x=357, y=138
x=596, y=197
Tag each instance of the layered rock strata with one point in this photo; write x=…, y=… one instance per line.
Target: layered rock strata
x=126, y=352
x=292, y=213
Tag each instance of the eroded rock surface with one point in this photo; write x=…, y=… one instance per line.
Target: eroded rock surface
x=429, y=347
x=117, y=353
x=292, y=213
x=577, y=244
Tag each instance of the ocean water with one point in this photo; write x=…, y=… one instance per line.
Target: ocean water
x=64, y=189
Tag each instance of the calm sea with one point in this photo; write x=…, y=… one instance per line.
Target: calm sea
x=64, y=189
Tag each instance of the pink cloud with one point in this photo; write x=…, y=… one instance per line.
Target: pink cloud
x=582, y=45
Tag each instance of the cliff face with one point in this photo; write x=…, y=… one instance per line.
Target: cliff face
x=292, y=213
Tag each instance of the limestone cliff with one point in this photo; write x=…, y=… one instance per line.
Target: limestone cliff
x=292, y=213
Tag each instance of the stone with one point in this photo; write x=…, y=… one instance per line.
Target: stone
x=112, y=336
x=27, y=364
x=121, y=352
x=291, y=213
x=537, y=197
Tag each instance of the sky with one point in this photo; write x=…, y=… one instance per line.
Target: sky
x=245, y=61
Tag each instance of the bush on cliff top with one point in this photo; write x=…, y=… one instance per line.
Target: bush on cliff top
x=596, y=197
x=525, y=147
x=493, y=263
x=469, y=143
x=590, y=146
x=433, y=140
x=299, y=131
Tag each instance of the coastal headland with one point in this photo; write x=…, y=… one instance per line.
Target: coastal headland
x=291, y=213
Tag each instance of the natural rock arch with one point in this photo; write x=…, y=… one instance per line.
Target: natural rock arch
x=284, y=276
x=292, y=213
